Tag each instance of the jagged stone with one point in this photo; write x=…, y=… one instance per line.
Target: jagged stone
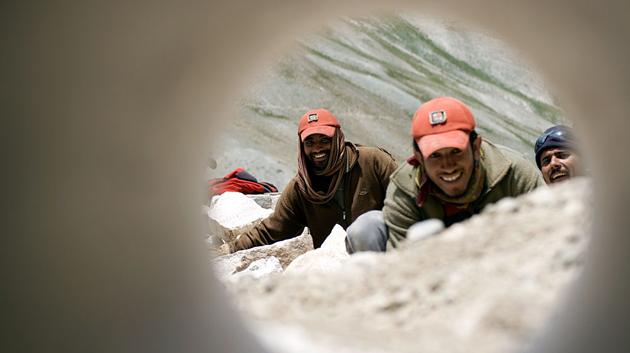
x=233, y=213
x=285, y=251
x=260, y=268
x=329, y=257
x=268, y=200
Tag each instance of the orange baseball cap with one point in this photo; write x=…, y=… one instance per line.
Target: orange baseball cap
x=317, y=121
x=440, y=123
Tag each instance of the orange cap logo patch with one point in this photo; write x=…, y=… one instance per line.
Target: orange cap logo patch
x=437, y=117
x=312, y=117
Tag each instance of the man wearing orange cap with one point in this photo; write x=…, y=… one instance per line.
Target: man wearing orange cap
x=451, y=176
x=337, y=181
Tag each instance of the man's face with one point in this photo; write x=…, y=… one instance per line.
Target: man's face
x=317, y=150
x=558, y=164
x=450, y=168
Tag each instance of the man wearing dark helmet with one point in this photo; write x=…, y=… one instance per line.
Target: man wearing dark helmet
x=556, y=155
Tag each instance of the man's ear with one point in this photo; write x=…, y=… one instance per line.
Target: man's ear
x=418, y=156
x=416, y=152
x=477, y=148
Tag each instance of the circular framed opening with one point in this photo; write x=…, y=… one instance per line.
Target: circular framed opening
x=116, y=97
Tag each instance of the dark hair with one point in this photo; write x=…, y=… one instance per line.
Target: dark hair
x=471, y=137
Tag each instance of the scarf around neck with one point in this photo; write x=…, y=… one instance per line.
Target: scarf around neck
x=339, y=161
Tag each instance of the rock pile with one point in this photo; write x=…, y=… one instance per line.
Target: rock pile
x=231, y=214
x=487, y=284
x=330, y=257
x=253, y=263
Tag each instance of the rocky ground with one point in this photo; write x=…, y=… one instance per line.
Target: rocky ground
x=484, y=285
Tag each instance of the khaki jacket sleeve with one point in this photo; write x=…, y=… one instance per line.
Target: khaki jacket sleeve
x=399, y=212
x=287, y=221
x=524, y=177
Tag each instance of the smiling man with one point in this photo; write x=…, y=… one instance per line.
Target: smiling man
x=451, y=176
x=337, y=181
x=556, y=155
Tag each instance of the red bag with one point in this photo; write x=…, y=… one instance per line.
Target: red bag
x=241, y=181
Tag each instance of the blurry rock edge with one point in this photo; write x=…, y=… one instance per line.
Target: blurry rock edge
x=373, y=73
x=485, y=285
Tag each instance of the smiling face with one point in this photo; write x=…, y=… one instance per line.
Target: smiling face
x=317, y=150
x=450, y=169
x=558, y=164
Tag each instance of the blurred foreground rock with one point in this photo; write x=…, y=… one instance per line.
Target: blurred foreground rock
x=484, y=285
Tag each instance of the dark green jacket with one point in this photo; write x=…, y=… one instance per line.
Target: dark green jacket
x=507, y=175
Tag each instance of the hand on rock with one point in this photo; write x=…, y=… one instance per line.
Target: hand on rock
x=223, y=250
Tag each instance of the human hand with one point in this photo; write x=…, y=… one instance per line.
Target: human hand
x=223, y=250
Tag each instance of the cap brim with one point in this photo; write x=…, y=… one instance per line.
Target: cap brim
x=322, y=129
x=451, y=139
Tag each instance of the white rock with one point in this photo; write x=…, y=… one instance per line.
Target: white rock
x=234, y=209
x=336, y=240
x=260, y=268
x=424, y=229
x=232, y=213
x=285, y=251
x=330, y=257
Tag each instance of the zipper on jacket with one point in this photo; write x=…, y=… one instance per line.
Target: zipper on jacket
x=346, y=182
x=340, y=196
